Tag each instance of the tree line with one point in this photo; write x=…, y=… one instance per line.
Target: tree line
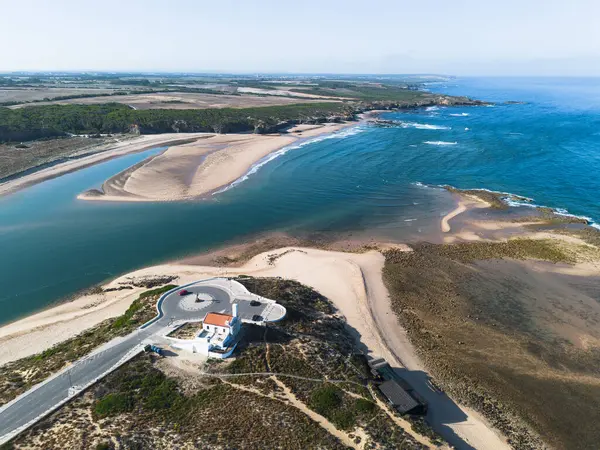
x=43, y=121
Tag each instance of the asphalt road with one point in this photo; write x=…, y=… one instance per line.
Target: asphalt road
x=174, y=307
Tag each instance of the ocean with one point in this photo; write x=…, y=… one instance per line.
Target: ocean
x=366, y=181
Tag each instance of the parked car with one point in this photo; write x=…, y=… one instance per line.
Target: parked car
x=184, y=292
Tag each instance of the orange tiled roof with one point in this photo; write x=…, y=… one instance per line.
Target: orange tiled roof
x=218, y=319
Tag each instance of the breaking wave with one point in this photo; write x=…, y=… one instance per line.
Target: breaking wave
x=422, y=126
x=271, y=156
x=516, y=200
x=440, y=143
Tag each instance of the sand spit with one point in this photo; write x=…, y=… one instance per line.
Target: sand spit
x=199, y=168
x=132, y=145
x=459, y=209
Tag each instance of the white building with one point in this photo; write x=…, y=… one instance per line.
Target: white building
x=220, y=329
x=218, y=337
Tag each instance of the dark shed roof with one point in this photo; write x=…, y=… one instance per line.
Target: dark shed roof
x=398, y=397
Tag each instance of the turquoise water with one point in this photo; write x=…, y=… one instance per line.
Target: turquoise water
x=364, y=181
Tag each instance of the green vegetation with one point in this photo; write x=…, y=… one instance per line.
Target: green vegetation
x=519, y=248
x=141, y=387
x=494, y=199
x=151, y=403
x=112, y=404
x=104, y=446
x=353, y=95
x=344, y=411
x=18, y=376
x=130, y=318
x=326, y=399
x=36, y=122
x=364, y=91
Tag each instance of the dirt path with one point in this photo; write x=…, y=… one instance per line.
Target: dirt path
x=353, y=282
x=322, y=421
x=404, y=424
x=288, y=397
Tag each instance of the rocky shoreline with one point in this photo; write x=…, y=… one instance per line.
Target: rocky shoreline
x=355, y=111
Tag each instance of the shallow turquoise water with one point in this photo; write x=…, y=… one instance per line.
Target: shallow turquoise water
x=363, y=181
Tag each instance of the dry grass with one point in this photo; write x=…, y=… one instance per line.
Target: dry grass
x=184, y=100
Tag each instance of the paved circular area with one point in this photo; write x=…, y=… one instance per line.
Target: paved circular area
x=197, y=301
x=219, y=295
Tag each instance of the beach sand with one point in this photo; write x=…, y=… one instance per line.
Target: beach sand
x=131, y=145
x=200, y=168
x=352, y=281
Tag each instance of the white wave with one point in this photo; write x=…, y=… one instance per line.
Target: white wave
x=422, y=126
x=432, y=108
x=439, y=143
x=270, y=157
x=409, y=220
x=515, y=200
x=558, y=211
x=467, y=128
x=459, y=114
x=428, y=186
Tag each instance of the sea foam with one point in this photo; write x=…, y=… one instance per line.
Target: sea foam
x=271, y=156
x=422, y=126
x=440, y=143
x=459, y=114
x=516, y=200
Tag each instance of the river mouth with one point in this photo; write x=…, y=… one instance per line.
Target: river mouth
x=368, y=186
x=54, y=245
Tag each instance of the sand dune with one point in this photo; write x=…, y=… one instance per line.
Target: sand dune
x=196, y=169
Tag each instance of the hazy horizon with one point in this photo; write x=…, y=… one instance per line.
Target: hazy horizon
x=467, y=37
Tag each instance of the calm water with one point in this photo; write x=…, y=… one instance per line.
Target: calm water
x=365, y=180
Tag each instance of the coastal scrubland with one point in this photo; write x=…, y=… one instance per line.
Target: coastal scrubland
x=509, y=328
x=18, y=376
x=301, y=375
x=195, y=105
x=60, y=120
x=16, y=158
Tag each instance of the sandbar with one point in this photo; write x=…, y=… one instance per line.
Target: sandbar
x=129, y=145
x=200, y=168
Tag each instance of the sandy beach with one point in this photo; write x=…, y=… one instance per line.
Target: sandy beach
x=352, y=281
x=132, y=145
x=199, y=168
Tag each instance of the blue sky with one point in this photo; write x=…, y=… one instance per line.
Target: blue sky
x=462, y=37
